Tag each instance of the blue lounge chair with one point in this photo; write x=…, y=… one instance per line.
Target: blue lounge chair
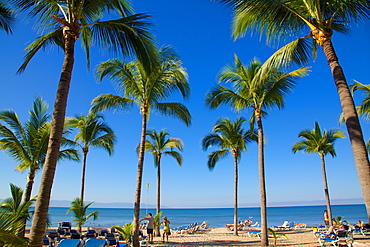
x=254, y=233
x=95, y=242
x=71, y=243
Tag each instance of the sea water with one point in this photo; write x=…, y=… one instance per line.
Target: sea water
x=217, y=217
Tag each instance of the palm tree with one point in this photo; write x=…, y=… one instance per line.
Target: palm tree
x=259, y=90
x=230, y=137
x=79, y=210
x=69, y=21
x=160, y=142
x=28, y=143
x=15, y=212
x=315, y=141
x=6, y=17
x=147, y=89
x=315, y=22
x=92, y=132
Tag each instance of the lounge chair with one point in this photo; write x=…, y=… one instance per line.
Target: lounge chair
x=254, y=233
x=256, y=224
x=65, y=225
x=365, y=229
x=339, y=236
x=231, y=226
x=95, y=242
x=111, y=241
x=46, y=241
x=71, y=243
x=285, y=226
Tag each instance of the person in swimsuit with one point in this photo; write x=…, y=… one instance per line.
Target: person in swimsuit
x=166, y=228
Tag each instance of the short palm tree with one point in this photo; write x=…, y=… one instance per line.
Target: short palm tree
x=314, y=22
x=259, y=90
x=63, y=24
x=79, y=209
x=27, y=143
x=92, y=132
x=230, y=137
x=148, y=90
x=15, y=212
x=315, y=141
x=158, y=145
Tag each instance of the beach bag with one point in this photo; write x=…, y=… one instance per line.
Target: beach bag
x=169, y=232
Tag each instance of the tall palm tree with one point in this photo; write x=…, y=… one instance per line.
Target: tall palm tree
x=157, y=145
x=259, y=90
x=16, y=210
x=315, y=22
x=230, y=137
x=6, y=17
x=69, y=21
x=28, y=143
x=146, y=89
x=79, y=209
x=315, y=141
x=92, y=132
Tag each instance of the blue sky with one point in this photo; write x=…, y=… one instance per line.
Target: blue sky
x=200, y=31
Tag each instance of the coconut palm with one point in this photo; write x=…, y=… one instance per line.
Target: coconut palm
x=27, y=143
x=15, y=214
x=314, y=22
x=6, y=17
x=230, y=137
x=92, y=132
x=157, y=145
x=149, y=90
x=79, y=209
x=68, y=21
x=315, y=141
x=259, y=90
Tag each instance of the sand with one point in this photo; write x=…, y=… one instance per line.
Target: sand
x=224, y=237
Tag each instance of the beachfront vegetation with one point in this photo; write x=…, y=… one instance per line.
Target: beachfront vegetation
x=79, y=210
x=315, y=22
x=159, y=144
x=27, y=143
x=92, y=132
x=6, y=17
x=230, y=137
x=315, y=141
x=125, y=231
x=66, y=22
x=260, y=90
x=275, y=235
x=148, y=89
x=14, y=214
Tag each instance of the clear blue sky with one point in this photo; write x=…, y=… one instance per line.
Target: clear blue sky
x=200, y=31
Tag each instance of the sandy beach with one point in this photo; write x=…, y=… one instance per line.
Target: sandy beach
x=224, y=237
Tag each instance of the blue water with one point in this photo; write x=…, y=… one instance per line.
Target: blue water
x=217, y=217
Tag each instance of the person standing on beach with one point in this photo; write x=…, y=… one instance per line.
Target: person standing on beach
x=166, y=229
x=149, y=227
x=326, y=218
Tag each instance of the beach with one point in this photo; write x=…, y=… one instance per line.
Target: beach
x=224, y=237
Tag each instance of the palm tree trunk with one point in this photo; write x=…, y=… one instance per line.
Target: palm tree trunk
x=57, y=125
x=261, y=168
x=157, y=231
x=27, y=197
x=139, y=179
x=235, y=195
x=326, y=189
x=352, y=122
x=83, y=177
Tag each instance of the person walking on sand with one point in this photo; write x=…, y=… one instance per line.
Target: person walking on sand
x=166, y=229
x=149, y=227
x=326, y=218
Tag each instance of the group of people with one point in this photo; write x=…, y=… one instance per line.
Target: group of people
x=150, y=227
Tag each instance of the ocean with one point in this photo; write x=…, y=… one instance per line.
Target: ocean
x=217, y=217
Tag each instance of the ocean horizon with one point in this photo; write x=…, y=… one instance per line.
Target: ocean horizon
x=216, y=217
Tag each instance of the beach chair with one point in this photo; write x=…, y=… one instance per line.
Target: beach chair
x=46, y=241
x=95, y=242
x=285, y=226
x=71, y=243
x=365, y=229
x=254, y=233
x=256, y=224
x=65, y=225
